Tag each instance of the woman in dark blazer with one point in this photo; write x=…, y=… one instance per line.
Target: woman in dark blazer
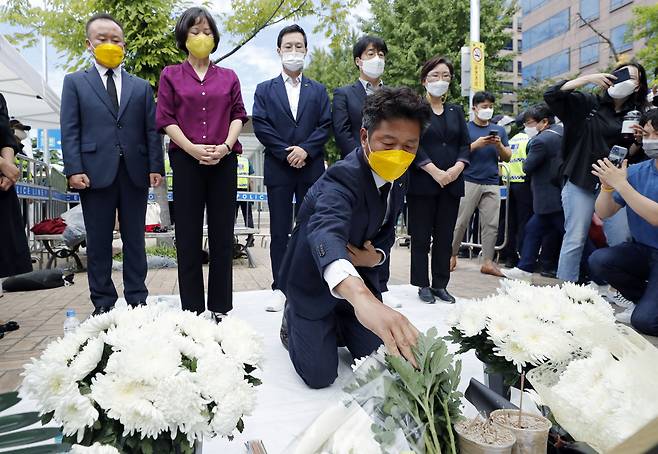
x=436, y=184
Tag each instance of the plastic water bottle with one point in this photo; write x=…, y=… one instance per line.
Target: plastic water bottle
x=71, y=322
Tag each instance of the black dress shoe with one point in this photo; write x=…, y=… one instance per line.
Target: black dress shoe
x=283, y=332
x=425, y=294
x=137, y=304
x=102, y=310
x=443, y=295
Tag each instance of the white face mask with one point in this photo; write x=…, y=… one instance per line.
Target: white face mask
x=373, y=67
x=650, y=147
x=622, y=89
x=293, y=61
x=22, y=135
x=485, y=114
x=437, y=88
x=531, y=131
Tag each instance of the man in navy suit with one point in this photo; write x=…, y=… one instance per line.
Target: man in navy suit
x=112, y=152
x=369, y=56
x=292, y=118
x=344, y=233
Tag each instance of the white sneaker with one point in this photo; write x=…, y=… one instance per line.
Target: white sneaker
x=517, y=273
x=619, y=300
x=278, y=301
x=625, y=317
x=391, y=301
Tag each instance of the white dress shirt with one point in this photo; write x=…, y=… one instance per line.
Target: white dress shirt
x=339, y=270
x=116, y=76
x=368, y=87
x=293, y=88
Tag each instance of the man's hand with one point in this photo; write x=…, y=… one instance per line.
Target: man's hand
x=9, y=170
x=297, y=157
x=482, y=142
x=156, y=179
x=610, y=175
x=79, y=181
x=366, y=257
x=5, y=183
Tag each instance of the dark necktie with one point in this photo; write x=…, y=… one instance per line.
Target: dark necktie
x=383, y=193
x=112, y=89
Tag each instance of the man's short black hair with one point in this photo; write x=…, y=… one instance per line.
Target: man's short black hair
x=294, y=28
x=482, y=96
x=651, y=115
x=363, y=43
x=101, y=16
x=538, y=112
x=187, y=20
x=388, y=103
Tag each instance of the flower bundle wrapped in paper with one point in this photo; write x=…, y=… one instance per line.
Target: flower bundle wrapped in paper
x=388, y=407
x=605, y=395
x=524, y=326
x=149, y=379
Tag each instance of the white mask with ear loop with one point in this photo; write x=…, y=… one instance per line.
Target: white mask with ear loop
x=22, y=135
x=622, y=89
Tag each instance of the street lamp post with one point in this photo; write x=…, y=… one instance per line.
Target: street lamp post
x=474, y=38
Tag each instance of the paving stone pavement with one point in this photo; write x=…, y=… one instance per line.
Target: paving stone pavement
x=41, y=313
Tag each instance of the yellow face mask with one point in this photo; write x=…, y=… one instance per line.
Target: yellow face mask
x=109, y=55
x=390, y=164
x=200, y=45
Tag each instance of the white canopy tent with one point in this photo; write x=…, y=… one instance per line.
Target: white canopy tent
x=29, y=98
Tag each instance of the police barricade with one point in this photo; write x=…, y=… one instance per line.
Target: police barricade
x=504, y=193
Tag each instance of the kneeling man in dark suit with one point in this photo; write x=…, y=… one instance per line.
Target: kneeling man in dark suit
x=344, y=233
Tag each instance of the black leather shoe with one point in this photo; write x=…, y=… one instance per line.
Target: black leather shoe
x=137, y=304
x=102, y=310
x=443, y=295
x=425, y=294
x=283, y=332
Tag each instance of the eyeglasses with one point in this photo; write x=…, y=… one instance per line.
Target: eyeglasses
x=439, y=76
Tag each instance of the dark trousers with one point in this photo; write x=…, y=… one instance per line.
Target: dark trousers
x=632, y=268
x=14, y=249
x=279, y=200
x=539, y=226
x=519, y=204
x=247, y=215
x=213, y=188
x=313, y=344
x=432, y=220
x=99, y=208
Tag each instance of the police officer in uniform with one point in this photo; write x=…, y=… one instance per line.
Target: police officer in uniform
x=244, y=185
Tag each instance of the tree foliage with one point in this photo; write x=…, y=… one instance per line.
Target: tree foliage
x=645, y=26
x=149, y=26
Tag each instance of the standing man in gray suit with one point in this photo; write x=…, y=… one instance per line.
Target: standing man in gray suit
x=112, y=153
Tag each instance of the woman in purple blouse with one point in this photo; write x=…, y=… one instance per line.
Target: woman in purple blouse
x=200, y=108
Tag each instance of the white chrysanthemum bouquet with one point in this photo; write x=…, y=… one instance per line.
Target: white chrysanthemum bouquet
x=524, y=326
x=153, y=379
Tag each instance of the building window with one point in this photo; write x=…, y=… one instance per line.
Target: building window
x=527, y=6
x=519, y=67
x=589, y=51
x=589, y=9
x=615, y=4
x=508, y=108
x=519, y=45
x=509, y=45
x=553, y=26
x=546, y=68
x=619, y=40
x=509, y=66
x=507, y=87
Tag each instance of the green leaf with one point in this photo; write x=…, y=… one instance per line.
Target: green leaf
x=19, y=421
x=41, y=449
x=26, y=437
x=8, y=400
x=47, y=417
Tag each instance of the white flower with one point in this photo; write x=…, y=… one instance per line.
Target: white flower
x=473, y=318
x=96, y=448
x=46, y=382
x=240, y=402
x=87, y=360
x=241, y=342
x=150, y=359
x=76, y=412
x=579, y=293
x=499, y=326
x=514, y=352
x=179, y=400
